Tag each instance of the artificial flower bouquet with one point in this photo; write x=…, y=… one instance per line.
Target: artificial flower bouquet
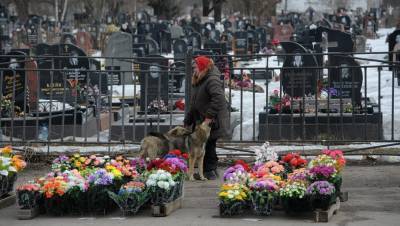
x=328, y=166
x=263, y=193
x=10, y=165
x=130, y=197
x=322, y=194
x=28, y=195
x=175, y=164
x=161, y=187
x=233, y=199
x=293, y=161
x=294, y=198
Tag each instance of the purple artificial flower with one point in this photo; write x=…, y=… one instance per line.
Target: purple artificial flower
x=322, y=171
x=101, y=177
x=233, y=169
x=177, y=162
x=265, y=184
x=321, y=188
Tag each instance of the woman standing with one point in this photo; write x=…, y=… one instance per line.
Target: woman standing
x=208, y=103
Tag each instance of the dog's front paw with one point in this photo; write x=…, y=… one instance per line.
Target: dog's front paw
x=191, y=178
x=203, y=178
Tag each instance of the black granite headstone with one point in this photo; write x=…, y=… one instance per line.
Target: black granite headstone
x=194, y=40
x=42, y=49
x=97, y=78
x=298, y=80
x=348, y=79
x=176, y=76
x=180, y=49
x=152, y=46
x=153, y=80
x=241, y=44
x=69, y=78
x=13, y=68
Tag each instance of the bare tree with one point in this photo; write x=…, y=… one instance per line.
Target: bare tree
x=257, y=10
x=213, y=6
x=166, y=9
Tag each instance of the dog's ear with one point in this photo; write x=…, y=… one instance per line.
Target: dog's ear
x=186, y=131
x=173, y=132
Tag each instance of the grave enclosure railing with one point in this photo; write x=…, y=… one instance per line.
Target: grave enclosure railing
x=57, y=100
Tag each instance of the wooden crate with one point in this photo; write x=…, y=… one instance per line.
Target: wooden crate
x=8, y=200
x=326, y=215
x=27, y=214
x=167, y=208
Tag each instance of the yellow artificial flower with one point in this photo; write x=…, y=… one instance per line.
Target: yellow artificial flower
x=82, y=159
x=6, y=150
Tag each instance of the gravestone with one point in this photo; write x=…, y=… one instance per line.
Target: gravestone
x=261, y=37
x=138, y=38
x=347, y=80
x=152, y=46
x=345, y=20
x=177, y=76
x=98, y=80
x=84, y=41
x=240, y=43
x=70, y=76
x=67, y=38
x=42, y=49
x=337, y=41
x=361, y=41
x=393, y=39
x=194, y=40
x=166, y=42
x=216, y=48
x=253, y=41
x=215, y=35
x=120, y=45
x=13, y=84
x=153, y=80
x=33, y=30
x=298, y=81
x=180, y=49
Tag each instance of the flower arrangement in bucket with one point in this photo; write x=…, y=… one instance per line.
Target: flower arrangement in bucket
x=161, y=187
x=236, y=174
x=28, y=195
x=100, y=182
x=10, y=165
x=263, y=192
x=324, y=167
x=322, y=194
x=294, y=198
x=131, y=197
x=233, y=199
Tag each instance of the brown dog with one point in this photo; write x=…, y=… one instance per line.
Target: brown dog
x=197, y=142
x=156, y=144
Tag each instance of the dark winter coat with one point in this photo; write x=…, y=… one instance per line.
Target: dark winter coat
x=208, y=101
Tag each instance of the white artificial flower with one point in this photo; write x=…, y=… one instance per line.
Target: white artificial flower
x=160, y=184
x=4, y=172
x=12, y=169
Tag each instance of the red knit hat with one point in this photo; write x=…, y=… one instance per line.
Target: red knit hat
x=202, y=62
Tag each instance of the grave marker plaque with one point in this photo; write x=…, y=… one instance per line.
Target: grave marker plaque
x=154, y=80
x=298, y=81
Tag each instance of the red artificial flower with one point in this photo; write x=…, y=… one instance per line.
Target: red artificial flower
x=185, y=155
x=293, y=162
x=244, y=164
x=175, y=152
x=155, y=164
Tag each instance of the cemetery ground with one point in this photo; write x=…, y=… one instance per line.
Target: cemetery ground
x=374, y=194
